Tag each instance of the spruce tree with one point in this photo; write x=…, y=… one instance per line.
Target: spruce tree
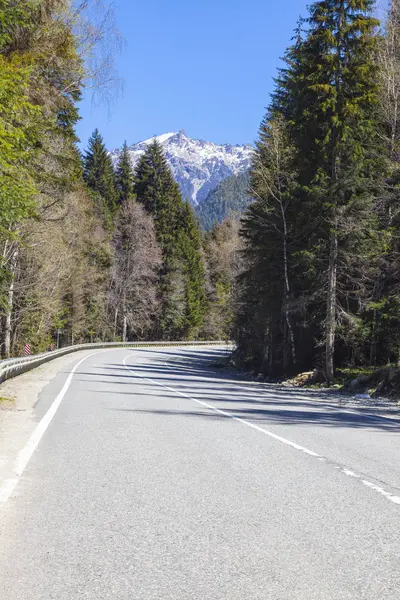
x=327, y=96
x=330, y=95
x=124, y=176
x=383, y=312
x=190, y=247
x=267, y=227
x=182, y=277
x=99, y=175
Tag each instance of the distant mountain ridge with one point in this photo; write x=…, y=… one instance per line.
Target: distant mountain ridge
x=198, y=166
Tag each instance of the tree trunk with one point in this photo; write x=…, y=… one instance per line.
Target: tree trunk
x=333, y=237
x=124, y=319
x=115, y=322
x=331, y=307
x=287, y=292
x=374, y=339
x=10, y=301
x=124, y=328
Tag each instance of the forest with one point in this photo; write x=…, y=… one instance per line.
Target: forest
x=320, y=285
x=90, y=251
x=309, y=278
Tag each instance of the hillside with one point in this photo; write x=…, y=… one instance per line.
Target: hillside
x=229, y=197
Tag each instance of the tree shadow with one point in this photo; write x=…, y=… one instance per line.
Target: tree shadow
x=280, y=416
x=228, y=390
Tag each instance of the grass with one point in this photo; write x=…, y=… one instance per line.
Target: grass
x=4, y=399
x=345, y=376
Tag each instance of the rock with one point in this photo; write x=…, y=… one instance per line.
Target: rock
x=359, y=382
x=362, y=397
x=317, y=376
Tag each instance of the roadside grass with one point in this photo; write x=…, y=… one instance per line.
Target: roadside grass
x=345, y=376
x=7, y=402
x=381, y=381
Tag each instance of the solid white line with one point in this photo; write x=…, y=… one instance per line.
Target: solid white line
x=283, y=440
x=24, y=456
x=7, y=488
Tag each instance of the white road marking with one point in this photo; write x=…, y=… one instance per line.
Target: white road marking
x=380, y=490
x=227, y=414
x=350, y=473
x=24, y=456
x=279, y=438
x=7, y=488
x=268, y=394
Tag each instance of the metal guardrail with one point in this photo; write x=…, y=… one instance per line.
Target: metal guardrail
x=11, y=367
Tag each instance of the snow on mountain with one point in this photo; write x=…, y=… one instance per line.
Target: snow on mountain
x=198, y=166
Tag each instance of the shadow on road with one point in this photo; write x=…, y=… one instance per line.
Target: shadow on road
x=195, y=374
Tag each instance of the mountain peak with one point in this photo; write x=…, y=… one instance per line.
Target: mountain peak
x=198, y=166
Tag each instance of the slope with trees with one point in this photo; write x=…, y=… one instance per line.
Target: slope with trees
x=229, y=199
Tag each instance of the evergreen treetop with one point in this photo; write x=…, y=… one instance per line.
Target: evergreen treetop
x=99, y=173
x=124, y=176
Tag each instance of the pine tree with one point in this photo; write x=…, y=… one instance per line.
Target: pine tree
x=124, y=176
x=182, y=280
x=267, y=228
x=190, y=247
x=157, y=190
x=382, y=315
x=327, y=96
x=331, y=85
x=99, y=175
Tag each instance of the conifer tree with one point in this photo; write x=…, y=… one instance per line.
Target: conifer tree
x=340, y=115
x=190, y=246
x=383, y=312
x=156, y=189
x=124, y=176
x=267, y=228
x=99, y=175
x=181, y=285
x=327, y=95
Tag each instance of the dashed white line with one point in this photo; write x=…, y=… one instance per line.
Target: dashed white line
x=382, y=491
x=345, y=471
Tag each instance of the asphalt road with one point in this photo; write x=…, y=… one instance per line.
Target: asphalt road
x=162, y=477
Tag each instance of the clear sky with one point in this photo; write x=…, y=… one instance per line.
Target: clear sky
x=205, y=66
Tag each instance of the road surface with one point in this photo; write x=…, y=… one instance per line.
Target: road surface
x=156, y=475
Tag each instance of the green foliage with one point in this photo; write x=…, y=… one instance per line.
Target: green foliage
x=312, y=243
x=189, y=244
x=124, y=176
x=230, y=198
x=99, y=175
x=19, y=133
x=182, y=281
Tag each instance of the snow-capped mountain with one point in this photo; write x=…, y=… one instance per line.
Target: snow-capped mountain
x=198, y=166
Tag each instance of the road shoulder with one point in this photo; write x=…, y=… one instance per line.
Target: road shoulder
x=19, y=397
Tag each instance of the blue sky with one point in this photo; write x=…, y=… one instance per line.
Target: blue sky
x=205, y=66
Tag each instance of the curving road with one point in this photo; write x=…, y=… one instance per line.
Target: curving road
x=156, y=475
